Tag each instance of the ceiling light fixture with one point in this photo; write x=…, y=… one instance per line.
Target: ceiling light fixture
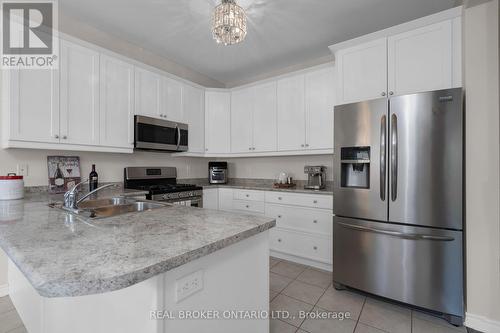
x=229, y=23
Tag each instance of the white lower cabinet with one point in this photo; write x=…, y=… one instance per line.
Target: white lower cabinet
x=211, y=198
x=318, y=249
x=253, y=207
x=304, y=222
x=301, y=219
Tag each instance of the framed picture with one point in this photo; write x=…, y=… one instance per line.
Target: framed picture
x=64, y=173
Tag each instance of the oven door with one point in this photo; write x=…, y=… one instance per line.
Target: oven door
x=157, y=134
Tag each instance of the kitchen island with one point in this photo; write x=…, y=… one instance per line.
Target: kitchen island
x=139, y=272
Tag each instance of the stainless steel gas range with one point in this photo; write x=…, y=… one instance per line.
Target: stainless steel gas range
x=161, y=183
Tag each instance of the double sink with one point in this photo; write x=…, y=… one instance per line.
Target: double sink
x=109, y=207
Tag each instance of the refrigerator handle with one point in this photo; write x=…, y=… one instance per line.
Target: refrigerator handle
x=394, y=157
x=397, y=233
x=383, y=128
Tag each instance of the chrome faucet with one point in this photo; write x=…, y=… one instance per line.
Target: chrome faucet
x=71, y=200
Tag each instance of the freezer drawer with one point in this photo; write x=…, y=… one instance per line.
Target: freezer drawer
x=414, y=265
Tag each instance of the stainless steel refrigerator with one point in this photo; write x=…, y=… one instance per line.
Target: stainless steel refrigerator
x=398, y=199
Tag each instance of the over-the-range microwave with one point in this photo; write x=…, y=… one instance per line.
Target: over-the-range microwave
x=160, y=135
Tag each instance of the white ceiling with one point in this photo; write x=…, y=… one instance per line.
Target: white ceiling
x=281, y=33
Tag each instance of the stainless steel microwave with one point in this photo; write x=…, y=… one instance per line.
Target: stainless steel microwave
x=158, y=134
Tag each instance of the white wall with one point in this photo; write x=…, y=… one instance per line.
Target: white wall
x=270, y=167
x=481, y=56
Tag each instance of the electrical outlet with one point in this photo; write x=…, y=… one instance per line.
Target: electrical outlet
x=22, y=170
x=188, y=285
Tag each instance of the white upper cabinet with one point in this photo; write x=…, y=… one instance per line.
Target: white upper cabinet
x=362, y=72
x=291, y=113
x=117, y=103
x=420, y=60
x=79, y=107
x=264, y=118
x=34, y=105
x=217, y=122
x=172, y=100
x=241, y=120
x=148, y=93
x=319, y=103
x=193, y=102
x=423, y=59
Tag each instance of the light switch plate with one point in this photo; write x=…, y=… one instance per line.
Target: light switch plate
x=188, y=285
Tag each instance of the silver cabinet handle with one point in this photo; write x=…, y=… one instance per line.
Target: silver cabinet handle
x=64, y=137
x=383, y=93
x=397, y=233
x=302, y=146
x=206, y=149
x=56, y=136
x=394, y=157
x=279, y=216
x=247, y=195
x=279, y=198
x=383, y=127
x=307, y=145
x=315, y=247
x=279, y=240
x=247, y=206
x=315, y=221
x=391, y=93
x=315, y=201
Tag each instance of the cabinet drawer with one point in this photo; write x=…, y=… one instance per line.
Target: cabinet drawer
x=248, y=206
x=300, y=218
x=298, y=244
x=306, y=200
x=248, y=195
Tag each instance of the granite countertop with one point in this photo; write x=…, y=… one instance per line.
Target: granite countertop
x=260, y=185
x=64, y=255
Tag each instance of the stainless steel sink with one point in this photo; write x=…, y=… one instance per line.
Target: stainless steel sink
x=102, y=208
x=87, y=204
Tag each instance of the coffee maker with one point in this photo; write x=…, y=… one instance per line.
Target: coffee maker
x=316, y=177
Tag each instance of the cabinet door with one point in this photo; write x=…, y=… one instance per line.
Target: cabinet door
x=362, y=72
x=193, y=103
x=421, y=59
x=34, y=105
x=147, y=93
x=211, y=198
x=264, y=118
x=291, y=113
x=172, y=100
x=117, y=103
x=320, y=93
x=226, y=199
x=241, y=120
x=79, y=94
x=217, y=121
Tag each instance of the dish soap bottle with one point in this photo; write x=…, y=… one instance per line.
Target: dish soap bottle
x=93, y=179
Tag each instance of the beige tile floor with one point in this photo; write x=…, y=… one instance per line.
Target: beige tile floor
x=295, y=288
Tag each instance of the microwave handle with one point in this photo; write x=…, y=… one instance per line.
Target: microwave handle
x=178, y=136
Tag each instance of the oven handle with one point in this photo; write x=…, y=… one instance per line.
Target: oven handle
x=397, y=233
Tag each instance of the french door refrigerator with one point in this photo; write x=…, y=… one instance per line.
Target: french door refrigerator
x=398, y=196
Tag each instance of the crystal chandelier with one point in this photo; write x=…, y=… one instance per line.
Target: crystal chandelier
x=229, y=24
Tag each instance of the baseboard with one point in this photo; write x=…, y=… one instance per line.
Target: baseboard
x=302, y=261
x=4, y=290
x=481, y=323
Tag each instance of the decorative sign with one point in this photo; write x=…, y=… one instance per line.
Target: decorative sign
x=64, y=173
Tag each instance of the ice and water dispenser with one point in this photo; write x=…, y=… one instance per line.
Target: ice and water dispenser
x=355, y=167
